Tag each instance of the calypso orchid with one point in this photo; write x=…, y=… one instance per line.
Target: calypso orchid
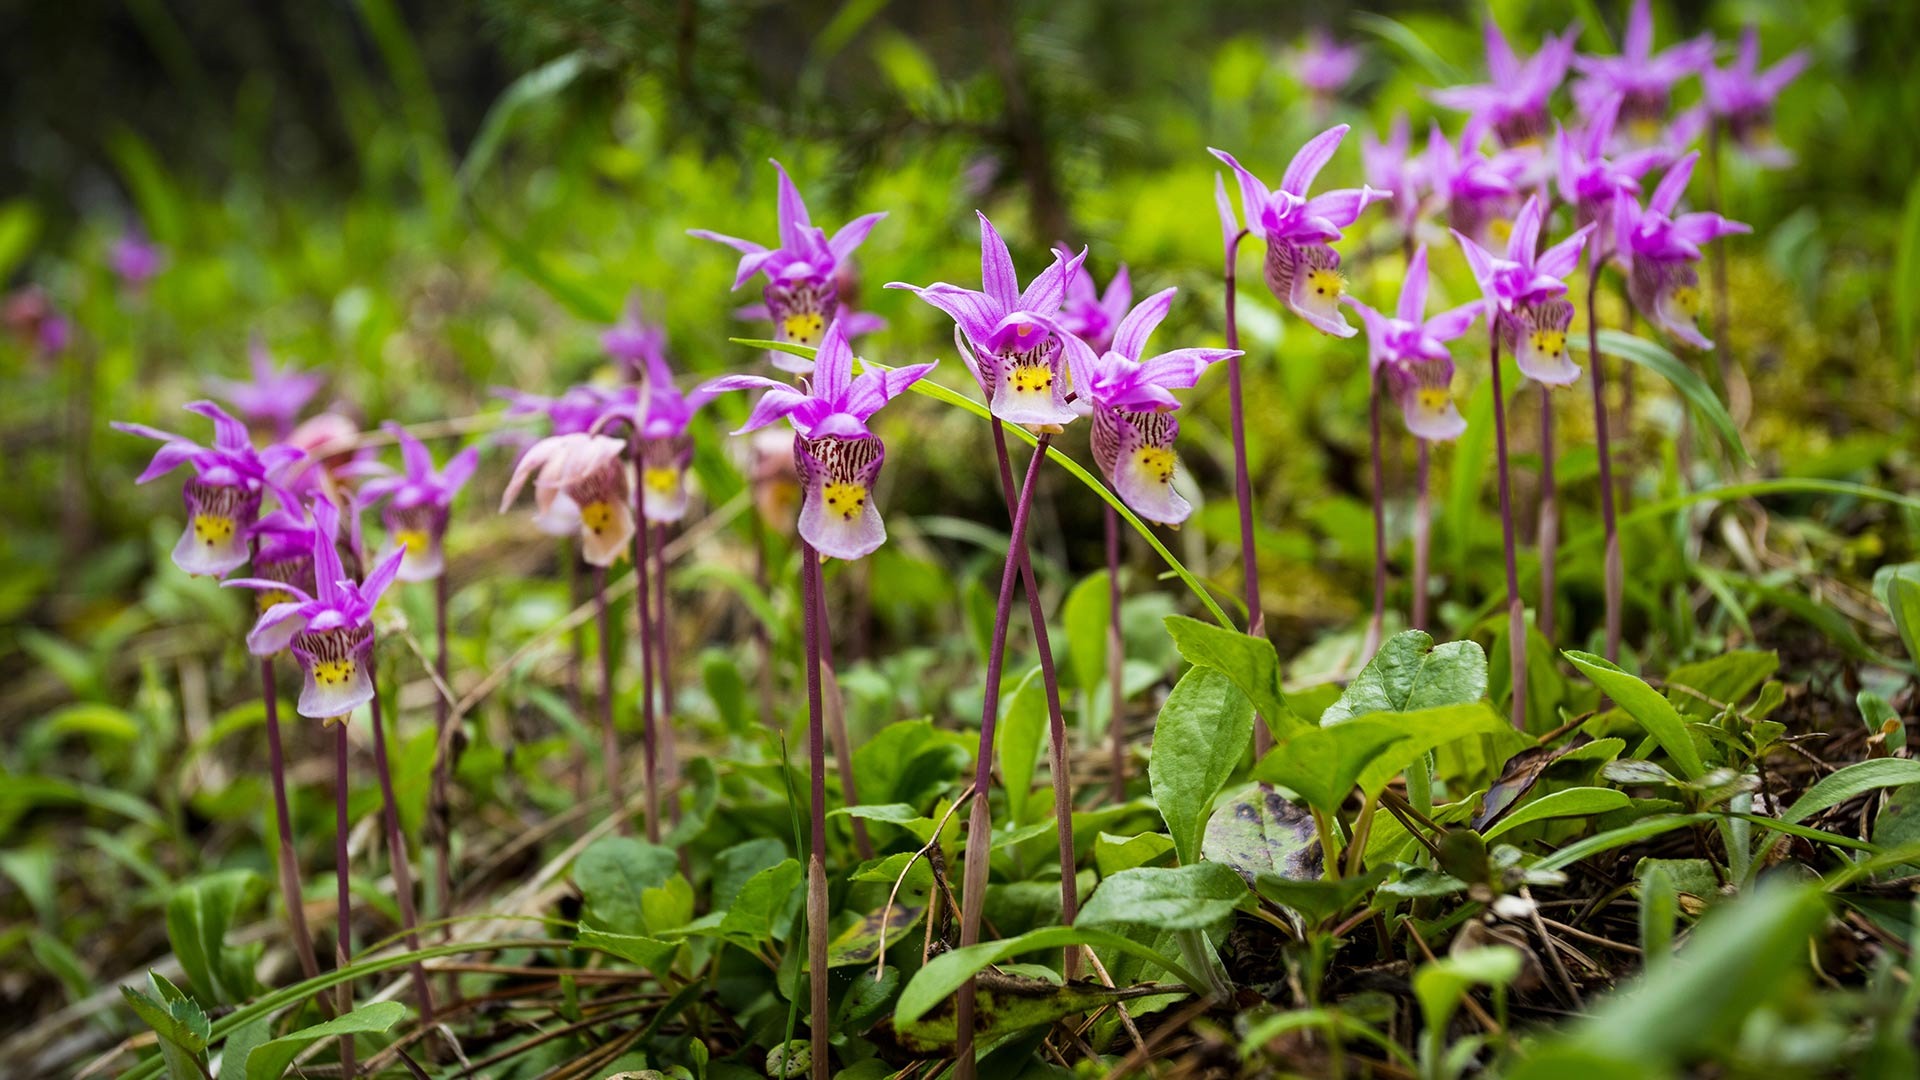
x=330, y=630
x=1089, y=314
x=1658, y=250
x=579, y=480
x=634, y=342
x=1302, y=270
x=223, y=495
x=1478, y=192
x=666, y=449
x=1589, y=180
x=1643, y=78
x=807, y=273
x=837, y=456
x=1388, y=165
x=1526, y=295
x=1322, y=65
x=419, y=502
x=283, y=551
x=274, y=397
x=1133, y=407
x=1013, y=339
x=1411, y=350
x=1514, y=100
x=1742, y=95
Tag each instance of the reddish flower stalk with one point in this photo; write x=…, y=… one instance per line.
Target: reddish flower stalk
x=1547, y=536
x=609, y=740
x=1516, y=612
x=289, y=867
x=1422, y=534
x=1377, y=624
x=1242, y=483
x=1116, y=657
x=1613, y=571
x=438, y=805
x=817, y=1018
x=576, y=668
x=1056, y=719
x=973, y=891
x=836, y=718
x=397, y=859
x=649, y=741
x=343, y=934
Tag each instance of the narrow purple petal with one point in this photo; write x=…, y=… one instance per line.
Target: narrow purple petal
x=997, y=277
x=1413, y=289
x=853, y=234
x=1311, y=159
x=1130, y=338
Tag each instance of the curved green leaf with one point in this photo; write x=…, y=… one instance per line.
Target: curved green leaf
x=1202, y=731
x=1853, y=780
x=949, y=971
x=1706, y=405
x=1644, y=704
x=269, y=1060
x=1573, y=802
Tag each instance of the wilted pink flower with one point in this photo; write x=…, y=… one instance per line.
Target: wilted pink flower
x=579, y=482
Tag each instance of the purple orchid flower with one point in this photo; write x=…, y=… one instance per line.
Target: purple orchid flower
x=135, y=260
x=1013, y=338
x=579, y=483
x=837, y=456
x=1131, y=398
x=1743, y=95
x=1089, y=314
x=1527, y=295
x=283, y=551
x=1589, y=181
x=223, y=496
x=419, y=502
x=1321, y=64
x=1643, y=78
x=574, y=412
x=330, y=631
x=666, y=449
x=1389, y=166
x=1514, y=99
x=274, y=397
x=633, y=341
x=808, y=275
x=1478, y=192
x=1658, y=250
x=1302, y=270
x=1412, y=350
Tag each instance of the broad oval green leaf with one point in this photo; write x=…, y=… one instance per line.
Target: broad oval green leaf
x=1197, y=741
x=1409, y=673
x=1655, y=713
x=269, y=1060
x=614, y=875
x=1192, y=897
x=1250, y=662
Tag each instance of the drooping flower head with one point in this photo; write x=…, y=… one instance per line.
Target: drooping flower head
x=1409, y=351
x=1526, y=295
x=579, y=482
x=330, y=631
x=805, y=272
x=1643, y=78
x=1589, y=180
x=1479, y=193
x=1742, y=95
x=419, y=503
x=1514, y=100
x=135, y=260
x=666, y=448
x=1013, y=337
x=274, y=397
x=1089, y=314
x=1388, y=165
x=223, y=495
x=634, y=342
x=1322, y=65
x=1658, y=247
x=1301, y=269
x=837, y=456
x=1131, y=398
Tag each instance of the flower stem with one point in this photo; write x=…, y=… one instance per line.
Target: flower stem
x=283, y=820
x=1422, y=534
x=1056, y=718
x=1516, y=614
x=609, y=741
x=397, y=858
x=836, y=719
x=1613, y=571
x=1376, y=626
x=662, y=664
x=439, y=809
x=1242, y=484
x=576, y=669
x=343, y=934
x=1116, y=659
x=817, y=1019
x=1547, y=536
x=642, y=536
x=979, y=840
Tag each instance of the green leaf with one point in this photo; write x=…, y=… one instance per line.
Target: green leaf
x=1905, y=282
x=1006, y=1004
x=1428, y=729
x=1264, y=833
x=945, y=973
x=1323, y=764
x=1706, y=405
x=861, y=941
x=1250, y=662
x=1193, y=897
x=1655, y=713
x=1659, y=910
x=1855, y=779
x=1742, y=954
x=1573, y=802
x=1112, y=854
x=1087, y=614
x=1898, y=588
x=269, y=1060
x=866, y=1001
x=643, y=952
x=1319, y=900
x=19, y=226
x=1728, y=679
x=1616, y=838
x=543, y=82
x=1413, y=45
x=199, y=914
x=1022, y=733
x=614, y=874
x=1200, y=736
x=177, y=1019
x=1411, y=673
x=233, y=1054
x=751, y=918
x=1441, y=985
